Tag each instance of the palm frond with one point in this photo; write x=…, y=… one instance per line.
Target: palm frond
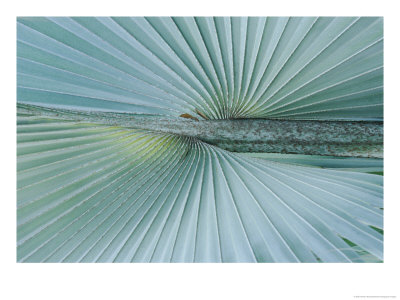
x=89, y=192
x=287, y=68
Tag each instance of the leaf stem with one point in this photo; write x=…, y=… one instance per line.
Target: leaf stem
x=336, y=138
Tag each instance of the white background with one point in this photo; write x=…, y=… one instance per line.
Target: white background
x=198, y=281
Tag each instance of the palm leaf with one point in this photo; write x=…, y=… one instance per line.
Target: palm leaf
x=90, y=192
x=292, y=68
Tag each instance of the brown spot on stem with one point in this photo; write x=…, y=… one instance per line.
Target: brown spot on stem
x=187, y=116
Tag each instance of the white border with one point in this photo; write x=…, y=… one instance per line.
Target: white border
x=199, y=281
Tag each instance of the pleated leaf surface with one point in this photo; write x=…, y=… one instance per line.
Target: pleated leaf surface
x=96, y=193
x=287, y=68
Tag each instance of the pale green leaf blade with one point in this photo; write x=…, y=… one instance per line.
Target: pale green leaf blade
x=288, y=68
x=138, y=196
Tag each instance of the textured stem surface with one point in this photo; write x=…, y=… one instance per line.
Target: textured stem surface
x=338, y=138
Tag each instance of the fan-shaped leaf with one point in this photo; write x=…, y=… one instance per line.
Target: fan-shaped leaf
x=96, y=193
x=111, y=194
x=291, y=68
